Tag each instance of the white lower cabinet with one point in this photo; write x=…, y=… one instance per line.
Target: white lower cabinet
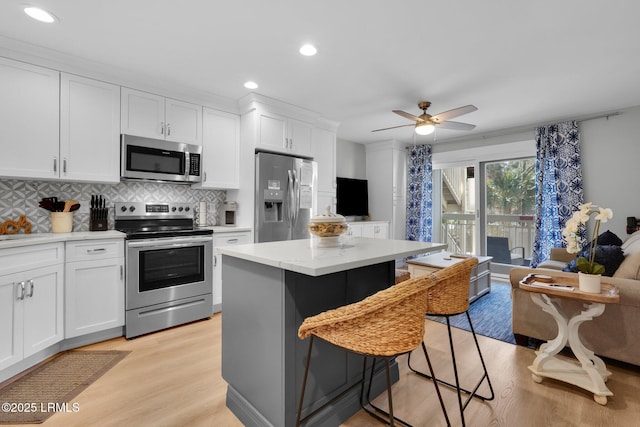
x=224, y=239
x=94, y=286
x=378, y=230
x=31, y=305
x=375, y=229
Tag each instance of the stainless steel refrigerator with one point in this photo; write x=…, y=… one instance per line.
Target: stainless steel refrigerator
x=286, y=189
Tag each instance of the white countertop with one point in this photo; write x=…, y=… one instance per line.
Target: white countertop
x=299, y=256
x=21, y=239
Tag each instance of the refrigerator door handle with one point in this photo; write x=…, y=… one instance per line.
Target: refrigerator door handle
x=290, y=197
x=296, y=198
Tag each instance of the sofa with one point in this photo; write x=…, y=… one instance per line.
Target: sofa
x=614, y=334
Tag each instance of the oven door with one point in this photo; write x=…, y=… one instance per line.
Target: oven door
x=168, y=269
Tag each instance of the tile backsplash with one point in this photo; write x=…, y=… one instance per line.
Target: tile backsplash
x=19, y=197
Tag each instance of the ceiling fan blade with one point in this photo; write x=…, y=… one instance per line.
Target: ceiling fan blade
x=393, y=127
x=455, y=125
x=441, y=117
x=408, y=116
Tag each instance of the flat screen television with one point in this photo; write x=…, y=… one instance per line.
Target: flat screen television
x=352, y=197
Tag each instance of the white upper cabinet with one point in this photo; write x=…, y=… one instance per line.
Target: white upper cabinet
x=220, y=150
x=29, y=107
x=153, y=116
x=142, y=114
x=300, y=136
x=324, y=152
x=284, y=134
x=89, y=130
x=184, y=122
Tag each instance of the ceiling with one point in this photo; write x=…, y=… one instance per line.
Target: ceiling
x=521, y=63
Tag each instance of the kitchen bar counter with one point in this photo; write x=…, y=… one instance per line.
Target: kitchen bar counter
x=269, y=289
x=299, y=256
x=18, y=240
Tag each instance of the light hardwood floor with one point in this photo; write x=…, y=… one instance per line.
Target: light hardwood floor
x=173, y=378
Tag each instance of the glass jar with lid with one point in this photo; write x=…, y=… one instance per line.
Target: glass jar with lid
x=327, y=229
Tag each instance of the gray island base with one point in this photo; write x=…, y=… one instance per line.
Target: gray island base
x=268, y=290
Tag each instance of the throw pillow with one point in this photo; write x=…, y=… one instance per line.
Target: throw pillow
x=632, y=244
x=610, y=256
x=609, y=238
x=630, y=267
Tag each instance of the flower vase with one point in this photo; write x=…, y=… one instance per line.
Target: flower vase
x=589, y=283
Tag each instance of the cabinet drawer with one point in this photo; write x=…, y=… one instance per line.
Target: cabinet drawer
x=483, y=267
x=227, y=239
x=29, y=257
x=94, y=249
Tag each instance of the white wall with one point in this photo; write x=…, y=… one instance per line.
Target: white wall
x=611, y=166
x=350, y=160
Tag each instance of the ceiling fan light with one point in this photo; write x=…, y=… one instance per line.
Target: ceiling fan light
x=424, y=128
x=40, y=14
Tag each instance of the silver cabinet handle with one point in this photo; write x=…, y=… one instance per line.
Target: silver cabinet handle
x=161, y=128
x=64, y=165
x=96, y=250
x=215, y=261
x=168, y=129
x=55, y=164
x=121, y=272
x=20, y=296
x=232, y=241
x=31, y=288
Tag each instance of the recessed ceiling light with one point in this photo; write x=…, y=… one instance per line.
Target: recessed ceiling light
x=40, y=14
x=308, y=50
x=251, y=85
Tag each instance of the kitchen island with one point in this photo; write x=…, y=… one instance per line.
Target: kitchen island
x=268, y=290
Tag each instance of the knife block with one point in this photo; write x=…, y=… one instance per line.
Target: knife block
x=98, y=219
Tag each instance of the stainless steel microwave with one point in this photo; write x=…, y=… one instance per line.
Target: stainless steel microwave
x=157, y=160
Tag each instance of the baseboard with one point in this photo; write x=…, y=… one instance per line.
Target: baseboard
x=500, y=278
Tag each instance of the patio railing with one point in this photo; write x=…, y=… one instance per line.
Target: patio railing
x=458, y=231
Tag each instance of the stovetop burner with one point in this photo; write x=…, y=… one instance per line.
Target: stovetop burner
x=140, y=220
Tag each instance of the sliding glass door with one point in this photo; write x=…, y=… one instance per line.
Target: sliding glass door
x=509, y=209
x=459, y=209
x=488, y=208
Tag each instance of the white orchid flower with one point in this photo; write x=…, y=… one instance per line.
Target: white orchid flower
x=581, y=216
x=604, y=215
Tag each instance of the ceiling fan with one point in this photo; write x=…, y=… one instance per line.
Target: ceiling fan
x=426, y=123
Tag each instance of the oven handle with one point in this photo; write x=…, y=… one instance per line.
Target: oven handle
x=172, y=243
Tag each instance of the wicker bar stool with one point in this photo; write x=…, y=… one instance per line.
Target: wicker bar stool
x=449, y=297
x=384, y=325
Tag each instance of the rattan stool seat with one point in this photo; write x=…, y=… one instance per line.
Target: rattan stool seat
x=387, y=323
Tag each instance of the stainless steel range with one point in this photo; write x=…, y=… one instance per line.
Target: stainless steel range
x=169, y=266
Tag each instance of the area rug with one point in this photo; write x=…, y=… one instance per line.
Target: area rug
x=50, y=387
x=490, y=314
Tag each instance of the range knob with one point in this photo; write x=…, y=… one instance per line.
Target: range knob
x=186, y=209
x=180, y=209
x=123, y=208
x=173, y=208
x=132, y=208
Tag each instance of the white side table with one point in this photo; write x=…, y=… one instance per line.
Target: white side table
x=590, y=373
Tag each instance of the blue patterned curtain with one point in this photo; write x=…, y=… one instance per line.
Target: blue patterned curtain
x=419, y=193
x=558, y=185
